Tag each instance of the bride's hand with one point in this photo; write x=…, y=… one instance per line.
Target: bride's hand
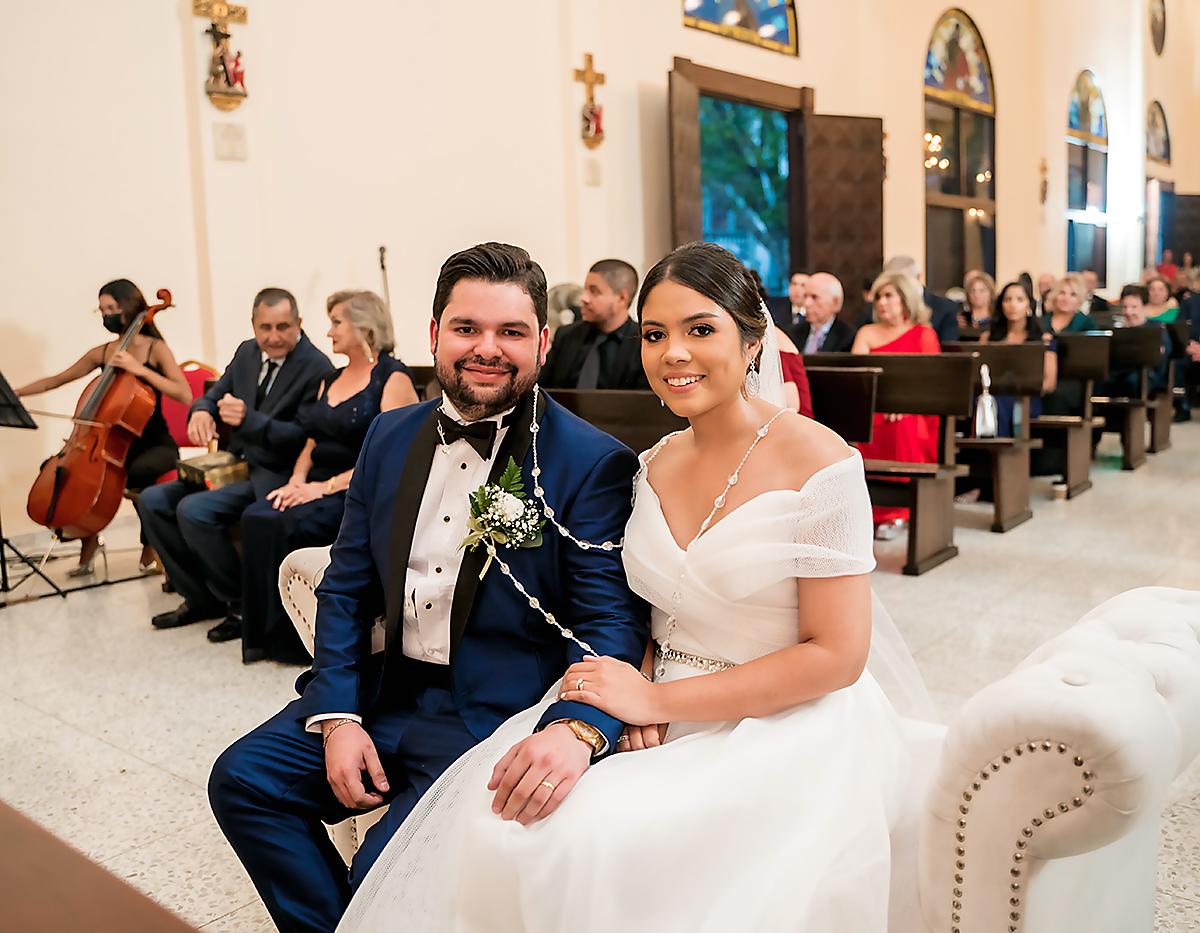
x=614, y=686
x=639, y=738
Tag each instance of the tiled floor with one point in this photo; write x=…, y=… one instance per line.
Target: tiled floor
x=110, y=726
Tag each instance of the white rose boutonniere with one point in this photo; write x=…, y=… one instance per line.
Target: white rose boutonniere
x=501, y=516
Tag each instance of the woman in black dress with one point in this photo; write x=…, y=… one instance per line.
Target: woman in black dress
x=307, y=511
x=151, y=360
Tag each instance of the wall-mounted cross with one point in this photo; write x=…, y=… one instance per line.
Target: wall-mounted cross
x=219, y=12
x=589, y=76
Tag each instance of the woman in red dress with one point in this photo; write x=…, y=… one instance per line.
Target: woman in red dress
x=900, y=325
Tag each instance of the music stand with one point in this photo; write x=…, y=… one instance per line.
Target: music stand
x=14, y=415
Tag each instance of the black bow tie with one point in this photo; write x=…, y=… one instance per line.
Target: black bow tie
x=479, y=434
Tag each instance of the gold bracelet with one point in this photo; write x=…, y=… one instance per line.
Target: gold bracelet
x=332, y=729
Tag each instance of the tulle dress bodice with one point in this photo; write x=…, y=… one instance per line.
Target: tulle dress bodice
x=737, y=581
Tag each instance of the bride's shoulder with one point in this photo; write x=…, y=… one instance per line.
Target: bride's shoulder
x=805, y=447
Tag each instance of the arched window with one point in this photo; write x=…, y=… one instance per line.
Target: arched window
x=960, y=154
x=1158, y=138
x=1087, y=178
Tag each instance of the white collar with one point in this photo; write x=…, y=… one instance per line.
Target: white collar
x=453, y=413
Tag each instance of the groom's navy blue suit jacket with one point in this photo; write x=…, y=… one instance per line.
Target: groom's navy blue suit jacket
x=503, y=654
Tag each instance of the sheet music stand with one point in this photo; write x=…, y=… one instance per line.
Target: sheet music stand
x=14, y=415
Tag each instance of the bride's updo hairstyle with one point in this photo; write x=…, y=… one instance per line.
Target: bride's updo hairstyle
x=720, y=277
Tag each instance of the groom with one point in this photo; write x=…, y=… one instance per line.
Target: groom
x=461, y=655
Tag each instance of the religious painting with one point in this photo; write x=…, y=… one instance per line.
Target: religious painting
x=770, y=24
x=957, y=69
x=1158, y=24
x=1158, y=139
x=1086, y=116
x=744, y=186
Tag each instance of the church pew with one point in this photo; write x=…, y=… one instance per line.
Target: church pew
x=844, y=400
x=632, y=416
x=1138, y=349
x=425, y=382
x=1082, y=357
x=1017, y=370
x=1162, y=404
x=918, y=384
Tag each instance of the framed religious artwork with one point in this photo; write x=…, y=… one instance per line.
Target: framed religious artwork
x=1158, y=138
x=769, y=24
x=1158, y=24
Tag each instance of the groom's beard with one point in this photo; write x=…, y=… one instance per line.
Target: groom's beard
x=470, y=402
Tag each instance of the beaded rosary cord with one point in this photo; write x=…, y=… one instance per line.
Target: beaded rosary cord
x=664, y=647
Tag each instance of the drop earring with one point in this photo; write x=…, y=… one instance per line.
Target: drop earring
x=753, y=383
x=370, y=355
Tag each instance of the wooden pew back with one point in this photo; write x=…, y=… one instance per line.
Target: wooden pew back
x=916, y=384
x=844, y=400
x=1015, y=368
x=1136, y=347
x=634, y=417
x=425, y=382
x=1083, y=356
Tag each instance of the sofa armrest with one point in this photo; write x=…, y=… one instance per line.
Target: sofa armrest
x=1068, y=753
x=299, y=575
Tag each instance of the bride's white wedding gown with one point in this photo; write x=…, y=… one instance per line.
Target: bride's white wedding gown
x=778, y=823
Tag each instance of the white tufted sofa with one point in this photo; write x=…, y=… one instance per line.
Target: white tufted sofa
x=1042, y=799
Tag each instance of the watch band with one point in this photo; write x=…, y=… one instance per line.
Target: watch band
x=587, y=733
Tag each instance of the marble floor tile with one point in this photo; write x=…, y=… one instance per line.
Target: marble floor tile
x=1173, y=914
x=253, y=918
x=192, y=873
x=1179, y=861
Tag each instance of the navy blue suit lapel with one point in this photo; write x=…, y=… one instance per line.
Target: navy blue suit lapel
x=289, y=372
x=515, y=445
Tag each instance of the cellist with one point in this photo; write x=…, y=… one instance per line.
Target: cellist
x=151, y=360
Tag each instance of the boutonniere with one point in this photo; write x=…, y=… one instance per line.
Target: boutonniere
x=501, y=516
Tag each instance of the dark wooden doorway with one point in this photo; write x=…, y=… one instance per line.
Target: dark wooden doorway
x=835, y=177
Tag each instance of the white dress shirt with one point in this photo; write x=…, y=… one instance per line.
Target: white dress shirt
x=434, y=560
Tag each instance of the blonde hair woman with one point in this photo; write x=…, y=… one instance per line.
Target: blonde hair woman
x=307, y=510
x=981, y=296
x=901, y=325
x=1063, y=306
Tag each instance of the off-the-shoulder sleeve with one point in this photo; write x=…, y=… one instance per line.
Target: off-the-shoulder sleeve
x=830, y=531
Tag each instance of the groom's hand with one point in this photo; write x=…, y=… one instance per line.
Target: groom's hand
x=537, y=774
x=348, y=754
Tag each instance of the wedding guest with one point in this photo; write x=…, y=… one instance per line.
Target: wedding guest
x=1045, y=282
x=147, y=357
x=1161, y=304
x=1167, y=268
x=822, y=330
x=1093, y=303
x=1065, y=317
x=980, y=289
x=1014, y=322
x=901, y=325
x=1135, y=312
x=943, y=312
x=601, y=351
x=789, y=311
x=795, y=376
x=257, y=398
x=307, y=510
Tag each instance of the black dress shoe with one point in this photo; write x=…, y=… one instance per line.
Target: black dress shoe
x=227, y=630
x=184, y=615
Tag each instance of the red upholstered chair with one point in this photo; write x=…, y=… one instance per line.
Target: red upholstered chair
x=176, y=415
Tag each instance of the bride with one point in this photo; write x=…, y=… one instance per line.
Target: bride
x=762, y=775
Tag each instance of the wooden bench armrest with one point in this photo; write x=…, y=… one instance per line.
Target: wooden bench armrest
x=1056, y=421
x=993, y=443
x=1118, y=402
x=900, y=468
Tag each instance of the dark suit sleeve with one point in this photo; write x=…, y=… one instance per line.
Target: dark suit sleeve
x=947, y=330
x=348, y=600
x=602, y=610
x=271, y=433
x=208, y=401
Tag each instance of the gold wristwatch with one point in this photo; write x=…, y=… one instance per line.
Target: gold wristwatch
x=586, y=733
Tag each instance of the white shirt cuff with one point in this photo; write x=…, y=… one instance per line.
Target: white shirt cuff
x=313, y=723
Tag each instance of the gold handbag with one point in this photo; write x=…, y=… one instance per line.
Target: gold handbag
x=213, y=470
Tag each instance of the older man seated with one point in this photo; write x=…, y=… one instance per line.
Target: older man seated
x=822, y=329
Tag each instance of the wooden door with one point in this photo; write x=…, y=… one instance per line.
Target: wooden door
x=839, y=210
x=1184, y=230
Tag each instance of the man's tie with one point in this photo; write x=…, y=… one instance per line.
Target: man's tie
x=479, y=434
x=264, y=384
x=589, y=373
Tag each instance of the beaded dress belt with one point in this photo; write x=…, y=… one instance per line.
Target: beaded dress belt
x=708, y=665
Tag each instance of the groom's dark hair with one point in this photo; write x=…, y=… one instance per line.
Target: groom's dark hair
x=492, y=262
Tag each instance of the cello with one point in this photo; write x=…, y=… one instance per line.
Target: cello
x=79, y=489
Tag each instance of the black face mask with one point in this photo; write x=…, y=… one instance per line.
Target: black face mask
x=112, y=323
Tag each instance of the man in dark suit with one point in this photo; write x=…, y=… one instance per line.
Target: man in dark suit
x=1096, y=305
x=257, y=397
x=460, y=655
x=945, y=312
x=788, y=311
x=821, y=330
x=604, y=350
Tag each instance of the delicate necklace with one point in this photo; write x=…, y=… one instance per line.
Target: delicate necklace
x=664, y=647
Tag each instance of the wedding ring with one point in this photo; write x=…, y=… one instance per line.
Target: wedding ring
x=547, y=784
x=579, y=684
x=623, y=738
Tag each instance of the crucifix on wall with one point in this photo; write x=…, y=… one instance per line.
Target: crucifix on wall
x=226, y=81
x=591, y=116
